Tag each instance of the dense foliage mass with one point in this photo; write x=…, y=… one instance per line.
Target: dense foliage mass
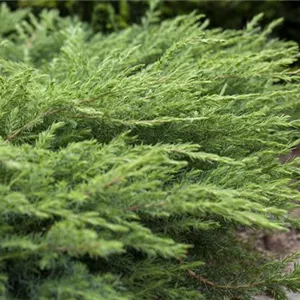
x=108, y=15
x=128, y=161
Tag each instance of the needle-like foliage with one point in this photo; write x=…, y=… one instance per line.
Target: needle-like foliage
x=129, y=160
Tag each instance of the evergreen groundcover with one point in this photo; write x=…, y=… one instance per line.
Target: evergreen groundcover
x=130, y=160
x=108, y=15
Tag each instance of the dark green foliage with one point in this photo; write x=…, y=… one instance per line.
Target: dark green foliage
x=129, y=160
x=108, y=15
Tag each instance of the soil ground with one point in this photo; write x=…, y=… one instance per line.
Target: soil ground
x=280, y=245
x=277, y=246
x=284, y=243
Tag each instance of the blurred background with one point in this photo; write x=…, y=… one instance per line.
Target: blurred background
x=107, y=16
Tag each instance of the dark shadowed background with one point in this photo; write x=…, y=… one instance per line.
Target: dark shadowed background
x=108, y=16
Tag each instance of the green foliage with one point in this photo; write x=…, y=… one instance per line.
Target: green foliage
x=10, y=19
x=108, y=15
x=129, y=160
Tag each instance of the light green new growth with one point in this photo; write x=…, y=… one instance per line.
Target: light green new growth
x=129, y=160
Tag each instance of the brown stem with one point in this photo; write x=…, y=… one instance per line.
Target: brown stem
x=225, y=286
x=18, y=131
x=44, y=114
x=113, y=182
x=220, y=286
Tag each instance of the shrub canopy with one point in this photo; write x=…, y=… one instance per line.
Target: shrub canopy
x=109, y=15
x=129, y=160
